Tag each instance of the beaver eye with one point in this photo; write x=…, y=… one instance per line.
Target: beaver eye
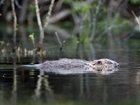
x=99, y=62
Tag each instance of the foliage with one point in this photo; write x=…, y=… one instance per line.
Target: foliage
x=32, y=9
x=95, y=18
x=135, y=1
x=31, y=36
x=81, y=6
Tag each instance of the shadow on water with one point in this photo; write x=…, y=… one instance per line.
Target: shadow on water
x=24, y=86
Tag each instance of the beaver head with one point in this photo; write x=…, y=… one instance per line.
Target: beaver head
x=105, y=65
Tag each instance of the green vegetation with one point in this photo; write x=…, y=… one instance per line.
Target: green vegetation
x=31, y=36
x=135, y=1
x=95, y=21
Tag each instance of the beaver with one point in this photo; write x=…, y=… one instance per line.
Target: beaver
x=76, y=66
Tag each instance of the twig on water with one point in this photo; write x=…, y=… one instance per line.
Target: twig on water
x=49, y=13
x=39, y=23
x=136, y=18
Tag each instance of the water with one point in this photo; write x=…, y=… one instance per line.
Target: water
x=22, y=86
x=26, y=87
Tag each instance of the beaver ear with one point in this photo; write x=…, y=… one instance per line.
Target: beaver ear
x=99, y=62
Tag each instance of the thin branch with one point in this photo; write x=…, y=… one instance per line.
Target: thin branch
x=14, y=15
x=15, y=20
x=94, y=23
x=122, y=4
x=49, y=13
x=136, y=18
x=39, y=23
x=58, y=5
x=17, y=4
x=59, y=16
x=59, y=41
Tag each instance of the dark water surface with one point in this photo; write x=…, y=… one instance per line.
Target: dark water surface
x=20, y=86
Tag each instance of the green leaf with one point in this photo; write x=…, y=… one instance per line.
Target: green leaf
x=32, y=36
